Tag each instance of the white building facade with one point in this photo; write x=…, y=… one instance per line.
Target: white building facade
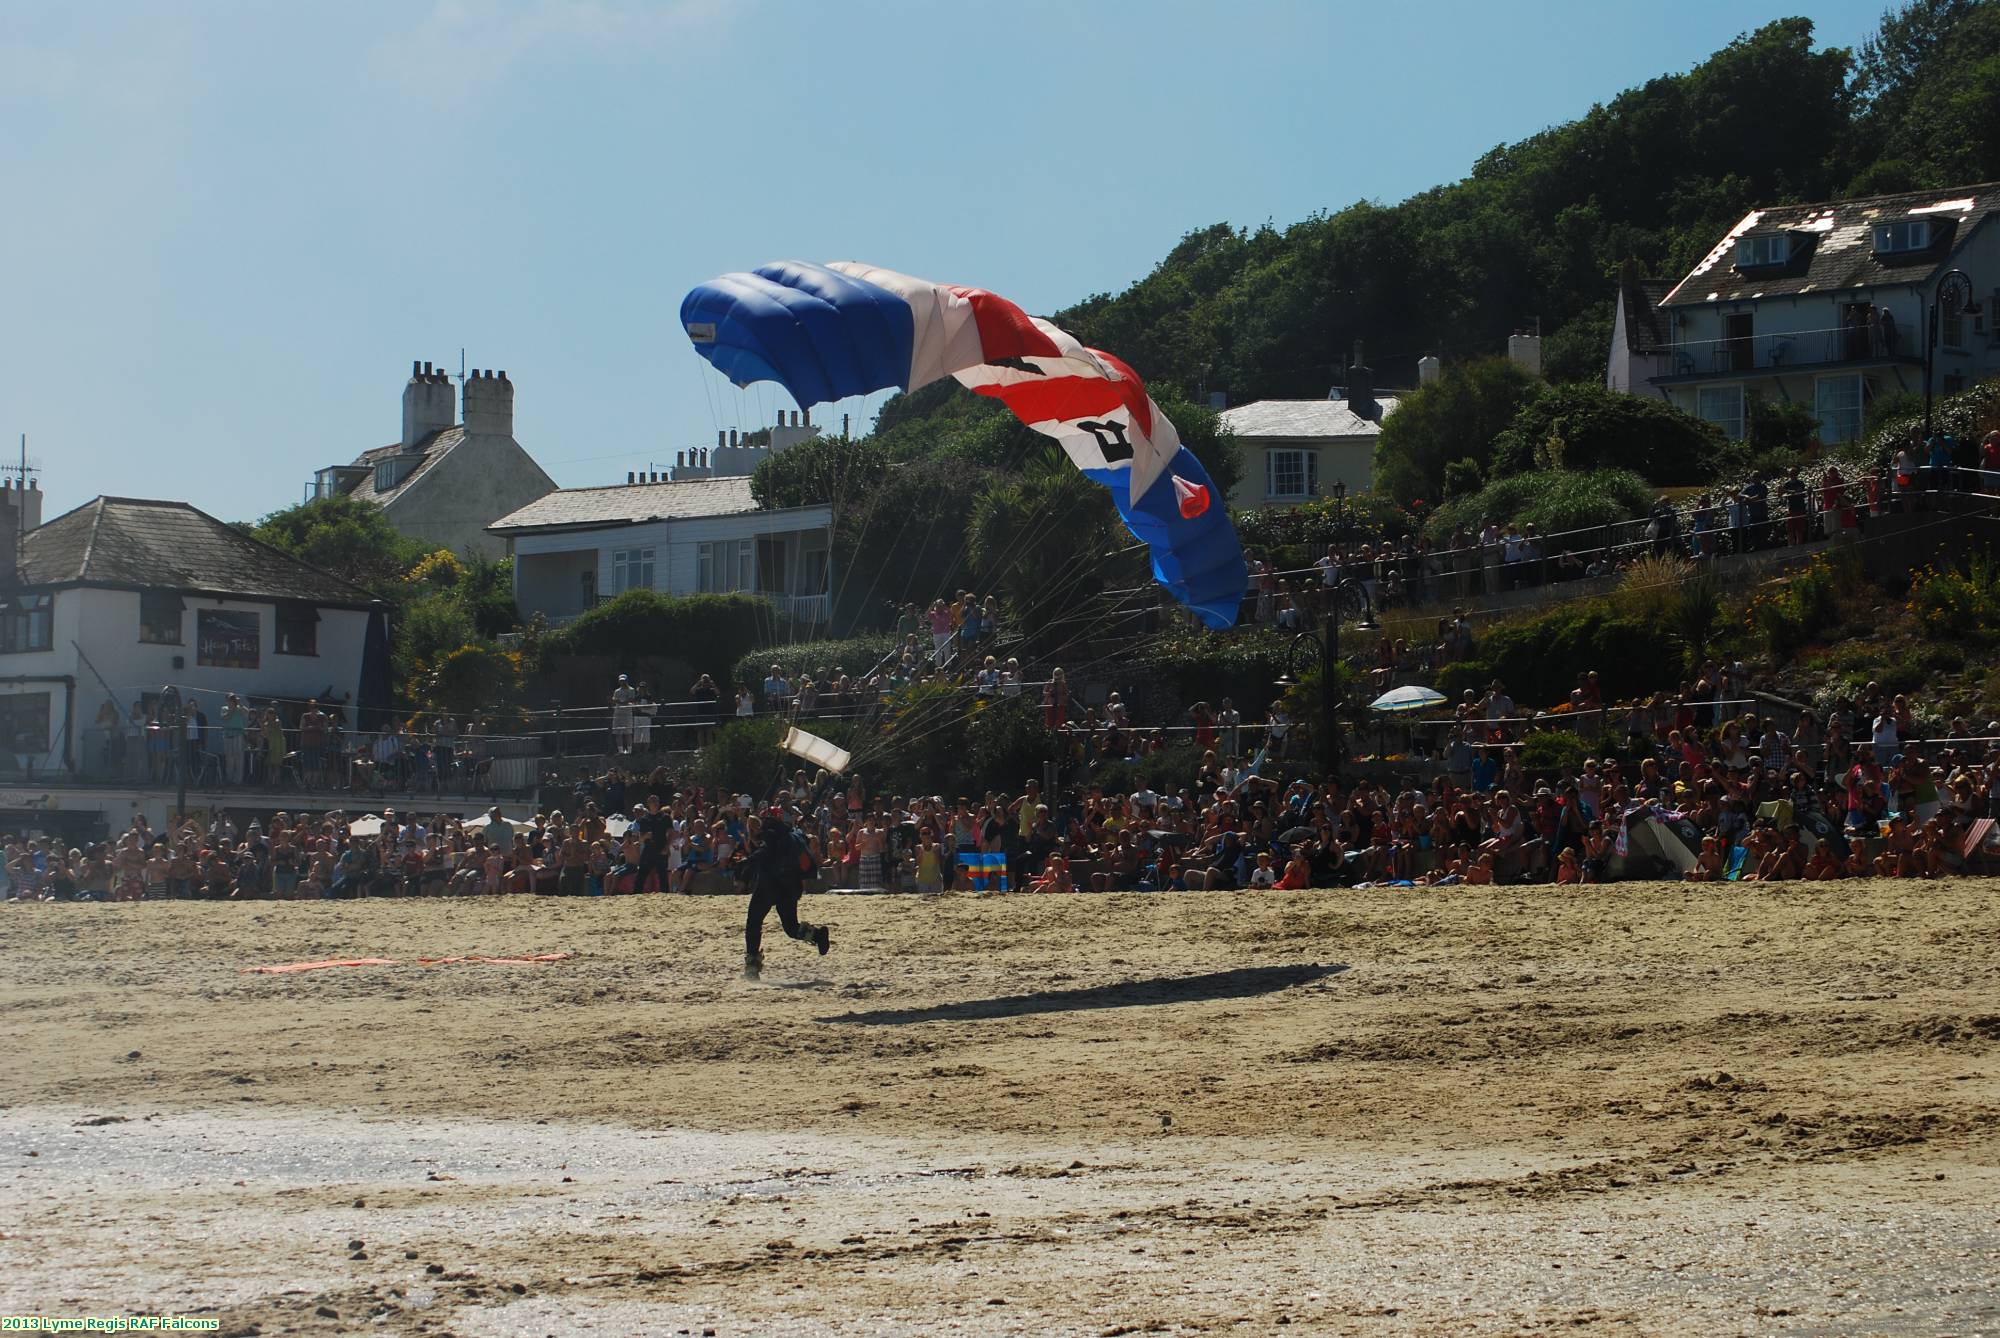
x=1826, y=305
x=578, y=547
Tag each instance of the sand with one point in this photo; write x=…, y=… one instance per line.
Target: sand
x=1635, y=1109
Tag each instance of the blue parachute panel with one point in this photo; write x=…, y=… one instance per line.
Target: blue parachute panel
x=818, y=333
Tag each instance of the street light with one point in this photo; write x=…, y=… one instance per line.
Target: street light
x=1955, y=286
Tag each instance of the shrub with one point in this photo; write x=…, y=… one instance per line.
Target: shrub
x=742, y=757
x=1781, y=427
x=1552, y=501
x=1547, y=753
x=1462, y=478
x=857, y=655
x=1007, y=742
x=1797, y=611
x=1958, y=604
x=475, y=680
x=1539, y=658
x=1579, y=428
x=709, y=632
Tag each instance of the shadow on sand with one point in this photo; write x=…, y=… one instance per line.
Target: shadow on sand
x=1237, y=984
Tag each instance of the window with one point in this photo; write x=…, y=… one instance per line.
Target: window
x=1951, y=326
x=1909, y=235
x=771, y=566
x=27, y=622
x=1837, y=401
x=298, y=630
x=725, y=565
x=1773, y=248
x=24, y=727
x=228, y=638
x=160, y=617
x=813, y=563
x=1722, y=406
x=631, y=569
x=1289, y=474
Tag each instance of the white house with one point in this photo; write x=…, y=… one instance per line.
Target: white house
x=122, y=596
x=1640, y=349
x=1825, y=305
x=443, y=482
x=578, y=546
x=1296, y=450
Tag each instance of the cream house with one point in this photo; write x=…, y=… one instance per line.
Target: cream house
x=1296, y=450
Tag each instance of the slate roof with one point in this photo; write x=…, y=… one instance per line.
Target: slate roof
x=129, y=541
x=632, y=504
x=434, y=447
x=1834, y=246
x=1296, y=419
x=1645, y=331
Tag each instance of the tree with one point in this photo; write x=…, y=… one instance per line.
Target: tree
x=347, y=536
x=822, y=471
x=475, y=680
x=1454, y=418
x=1040, y=541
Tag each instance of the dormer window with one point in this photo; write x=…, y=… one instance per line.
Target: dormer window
x=1911, y=234
x=1772, y=248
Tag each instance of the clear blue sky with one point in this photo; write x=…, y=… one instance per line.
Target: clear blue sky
x=228, y=228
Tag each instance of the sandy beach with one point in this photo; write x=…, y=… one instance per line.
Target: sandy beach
x=1630, y=1109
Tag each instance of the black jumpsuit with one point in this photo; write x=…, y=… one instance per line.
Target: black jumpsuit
x=776, y=881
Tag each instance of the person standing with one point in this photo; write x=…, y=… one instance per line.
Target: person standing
x=622, y=698
x=235, y=722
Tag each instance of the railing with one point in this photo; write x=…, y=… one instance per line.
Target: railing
x=479, y=765
x=1791, y=348
x=809, y=609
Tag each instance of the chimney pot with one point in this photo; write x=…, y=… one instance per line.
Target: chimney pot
x=732, y=436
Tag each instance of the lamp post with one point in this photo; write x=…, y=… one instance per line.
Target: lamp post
x=1325, y=648
x=1954, y=286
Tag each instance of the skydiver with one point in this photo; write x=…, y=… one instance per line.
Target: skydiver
x=775, y=873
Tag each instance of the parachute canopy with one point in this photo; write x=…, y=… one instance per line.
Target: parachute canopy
x=825, y=332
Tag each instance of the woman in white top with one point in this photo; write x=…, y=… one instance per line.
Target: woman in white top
x=746, y=704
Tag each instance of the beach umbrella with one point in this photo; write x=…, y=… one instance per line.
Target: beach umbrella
x=617, y=825
x=370, y=825
x=1411, y=698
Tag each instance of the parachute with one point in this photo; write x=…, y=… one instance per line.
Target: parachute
x=825, y=332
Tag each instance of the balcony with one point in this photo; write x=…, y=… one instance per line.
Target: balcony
x=1788, y=351
x=809, y=610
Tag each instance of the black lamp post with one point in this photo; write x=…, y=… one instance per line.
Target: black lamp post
x=1953, y=286
x=1325, y=649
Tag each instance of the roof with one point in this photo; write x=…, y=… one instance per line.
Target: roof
x=434, y=448
x=1293, y=419
x=133, y=542
x=1645, y=332
x=1835, y=246
x=632, y=504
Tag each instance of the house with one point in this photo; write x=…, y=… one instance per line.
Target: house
x=1296, y=450
x=577, y=546
x=1825, y=305
x=444, y=482
x=1640, y=349
x=123, y=596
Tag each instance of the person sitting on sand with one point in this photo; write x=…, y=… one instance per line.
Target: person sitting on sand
x=1708, y=865
x=1569, y=870
x=1480, y=872
x=1054, y=877
x=1899, y=856
x=1781, y=862
x=1823, y=866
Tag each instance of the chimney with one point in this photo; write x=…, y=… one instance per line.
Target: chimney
x=732, y=436
x=720, y=437
x=631, y=477
x=1361, y=388
x=10, y=543
x=1525, y=350
x=489, y=403
x=428, y=404
x=1429, y=369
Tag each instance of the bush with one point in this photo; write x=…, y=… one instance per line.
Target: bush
x=856, y=654
x=1163, y=772
x=709, y=632
x=1539, y=658
x=1958, y=604
x=1547, y=753
x=1798, y=612
x=1007, y=742
x=475, y=680
x=1551, y=501
x=1453, y=418
x=1244, y=666
x=1579, y=428
x=742, y=757
x=1781, y=426
x=1463, y=478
